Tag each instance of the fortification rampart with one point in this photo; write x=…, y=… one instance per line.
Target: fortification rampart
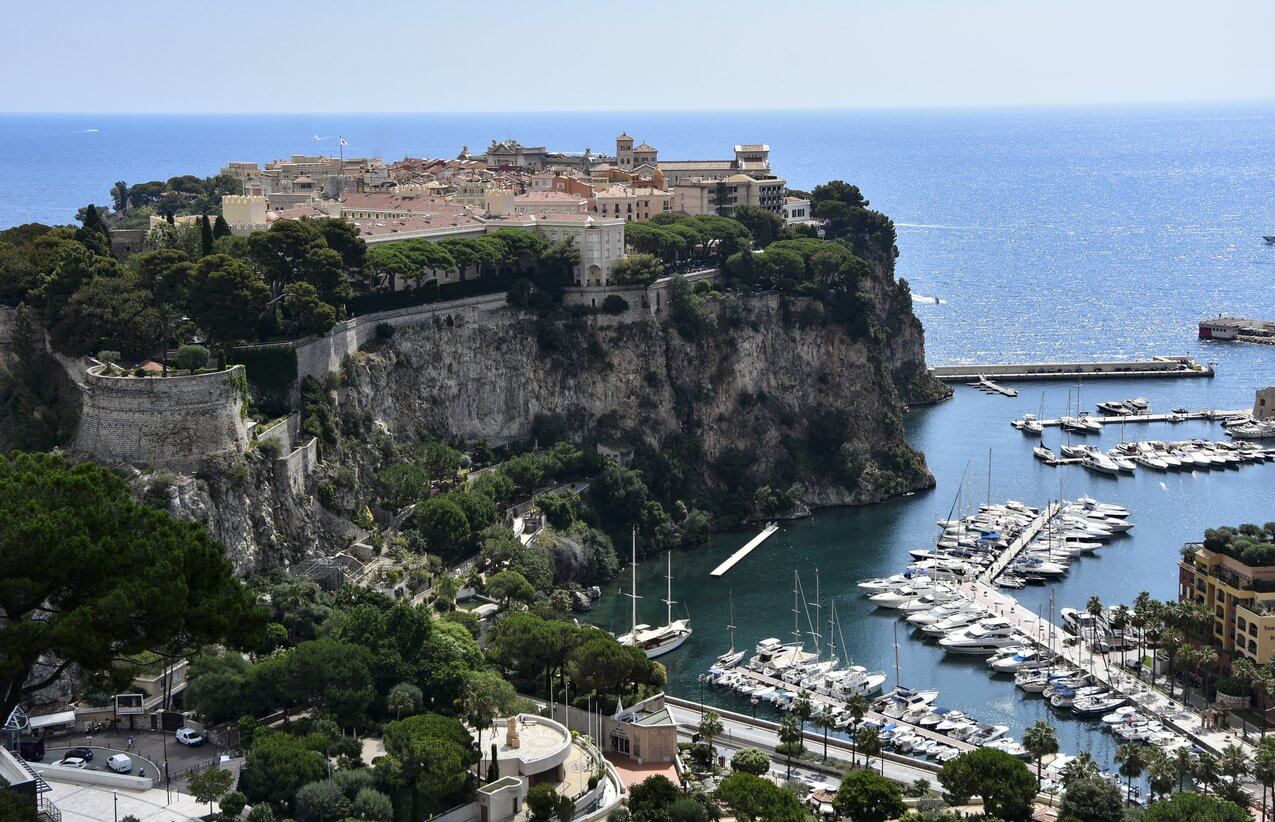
x=162, y=421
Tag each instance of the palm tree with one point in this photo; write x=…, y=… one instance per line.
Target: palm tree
x=1082, y=767
x=1205, y=771
x=790, y=737
x=1040, y=740
x=856, y=706
x=1233, y=763
x=803, y=707
x=1264, y=769
x=1094, y=608
x=825, y=720
x=710, y=727
x=1160, y=772
x=1120, y=621
x=871, y=744
x=1182, y=765
x=1132, y=760
x=1173, y=643
x=404, y=698
x=1143, y=613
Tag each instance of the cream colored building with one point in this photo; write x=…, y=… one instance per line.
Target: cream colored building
x=244, y=214
x=1241, y=598
x=629, y=204
x=723, y=196
x=549, y=202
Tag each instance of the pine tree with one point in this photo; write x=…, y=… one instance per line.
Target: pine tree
x=221, y=228
x=205, y=235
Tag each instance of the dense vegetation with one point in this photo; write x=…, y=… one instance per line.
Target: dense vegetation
x=1250, y=544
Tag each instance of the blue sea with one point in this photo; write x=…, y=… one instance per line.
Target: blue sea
x=1046, y=232
x=1025, y=234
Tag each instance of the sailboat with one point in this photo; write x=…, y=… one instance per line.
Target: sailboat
x=732, y=657
x=655, y=641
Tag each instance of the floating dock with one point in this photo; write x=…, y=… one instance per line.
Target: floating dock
x=984, y=384
x=733, y=559
x=1174, y=366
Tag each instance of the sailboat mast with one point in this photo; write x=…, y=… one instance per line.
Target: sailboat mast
x=796, y=623
x=730, y=624
x=989, y=477
x=897, y=682
x=668, y=596
x=633, y=594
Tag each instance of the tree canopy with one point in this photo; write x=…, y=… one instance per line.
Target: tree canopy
x=90, y=576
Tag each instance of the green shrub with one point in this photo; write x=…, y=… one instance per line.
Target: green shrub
x=192, y=357
x=615, y=304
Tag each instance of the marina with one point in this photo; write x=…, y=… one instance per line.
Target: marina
x=735, y=558
x=847, y=544
x=1163, y=366
x=987, y=386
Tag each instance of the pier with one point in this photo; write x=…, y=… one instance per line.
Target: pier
x=984, y=384
x=1046, y=635
x=1120, y=419
x=1169, y=366
x=1019, y=542
x=732, y=560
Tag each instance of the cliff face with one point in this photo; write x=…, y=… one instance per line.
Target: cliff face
x=743, y=398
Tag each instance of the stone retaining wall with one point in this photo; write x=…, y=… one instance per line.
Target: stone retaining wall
x=162, y=421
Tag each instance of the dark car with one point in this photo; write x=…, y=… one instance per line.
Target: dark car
x=83, y=753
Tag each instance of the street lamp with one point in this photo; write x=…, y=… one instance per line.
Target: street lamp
x=115, y=796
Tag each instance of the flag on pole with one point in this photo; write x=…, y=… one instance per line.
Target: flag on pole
x=342, y=141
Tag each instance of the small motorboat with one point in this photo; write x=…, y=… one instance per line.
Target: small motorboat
x=1042, y=453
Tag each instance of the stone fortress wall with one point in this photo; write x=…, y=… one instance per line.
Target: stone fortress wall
x=175, y=422
x=171, y=422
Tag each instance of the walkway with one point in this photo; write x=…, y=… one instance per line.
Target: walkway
x=1048, y=635
x=1018, y=543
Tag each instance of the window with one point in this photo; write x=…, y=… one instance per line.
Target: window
x=1252, y=646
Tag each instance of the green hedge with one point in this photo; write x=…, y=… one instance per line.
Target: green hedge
x=429, y=293
x=272, y=371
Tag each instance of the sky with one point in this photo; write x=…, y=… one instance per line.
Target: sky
x=554, y=55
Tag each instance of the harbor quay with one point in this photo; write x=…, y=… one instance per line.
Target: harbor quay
x=1165, y=366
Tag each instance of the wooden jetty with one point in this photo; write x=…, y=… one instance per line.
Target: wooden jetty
x=732, y=560
x=1170, y=366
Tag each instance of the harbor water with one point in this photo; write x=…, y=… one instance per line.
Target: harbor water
x=848, y=544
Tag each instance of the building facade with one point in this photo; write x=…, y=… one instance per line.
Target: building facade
x=1241, y=598
x=701, y=195
x=629, y=204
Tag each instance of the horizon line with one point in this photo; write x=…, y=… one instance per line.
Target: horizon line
x=675, y=110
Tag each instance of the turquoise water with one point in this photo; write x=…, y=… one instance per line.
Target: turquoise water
x=1048, y=234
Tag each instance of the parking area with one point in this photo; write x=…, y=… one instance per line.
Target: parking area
x=141, y=765
x=147, y=751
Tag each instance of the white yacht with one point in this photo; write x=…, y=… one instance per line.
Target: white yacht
x=1042, y=453
x=1100, y=463
x=665, y=638
x=984, y=637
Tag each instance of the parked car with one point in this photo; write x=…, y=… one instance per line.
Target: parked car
x=82, y=753
x=120, y=763
x=74, y=762
x=190, y=736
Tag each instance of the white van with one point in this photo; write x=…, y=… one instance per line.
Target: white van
x=190, y=736
x=120, y=763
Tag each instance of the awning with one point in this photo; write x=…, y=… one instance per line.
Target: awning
x=59, y=718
